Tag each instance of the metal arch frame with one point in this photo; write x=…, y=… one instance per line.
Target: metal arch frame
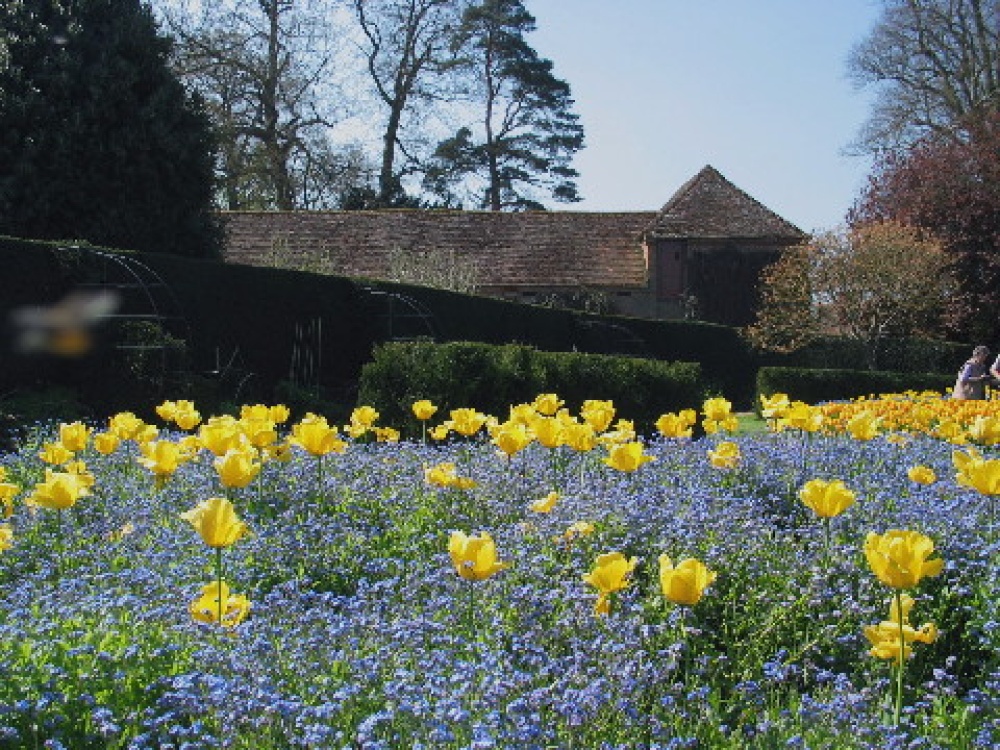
x=129, y=265
x=420, y=311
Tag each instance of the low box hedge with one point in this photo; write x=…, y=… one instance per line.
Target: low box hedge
x=817, y=385
x=493, y=378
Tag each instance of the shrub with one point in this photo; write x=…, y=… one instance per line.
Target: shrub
x=493, y=378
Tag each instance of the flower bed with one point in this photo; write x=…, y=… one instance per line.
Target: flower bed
x=519, y=587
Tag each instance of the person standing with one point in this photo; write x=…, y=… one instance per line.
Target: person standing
x=972, y=378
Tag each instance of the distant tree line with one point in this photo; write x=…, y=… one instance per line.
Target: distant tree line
x=378, y=103
x=127, y=123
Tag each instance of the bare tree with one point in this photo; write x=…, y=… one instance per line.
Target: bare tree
x=264, y=67
x=407, y=46
x=935, y=63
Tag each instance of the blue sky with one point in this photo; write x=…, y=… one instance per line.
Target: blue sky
x=756, y=88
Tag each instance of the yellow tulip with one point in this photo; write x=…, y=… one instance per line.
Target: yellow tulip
x=206, y=607
x=726, y=455
x=74, y=436
x=279, y=413
x=260, y=433
x=546, y=504
x=316, y=436
x=106, y=443
x=985, y=430
x=674, y=426
x=900, y=558
x=166, y=411
x=220, y=434
x=216, y=521
x=55, y=453
x=801, y=416
x=440, y=432
x=864, y=426
x=885, y=637
x=981, y=474
x=719, y=416
x=161, y=457
x=255, y=412
x=922, y=475
x=146, y=433
x=59, y=491
x=717, y=409
x=623, y=431
x=280, y=452
x=467, y=422
x=548, y=431
x=598, y=414
x=474, y=557
x=124, y=425
x=580, y=437
x=237, y=467
x=684, y=584
x=511, y=438
x=827, y=499
x=423, y=409
x=774, y=406
x=387, y=434
x=444, y=475
x=6, y=536
x=364, y=415
x=547, y=404
x=627, y=457
x=522, y=414
x=186, y=417
x=610, y=573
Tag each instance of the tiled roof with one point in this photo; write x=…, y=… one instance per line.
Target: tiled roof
x=709, y=206
x=533, y=248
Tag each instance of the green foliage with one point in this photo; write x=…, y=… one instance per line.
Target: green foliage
x=493, y=378
x=123, y=664
x=816, y=385
x=100, y=141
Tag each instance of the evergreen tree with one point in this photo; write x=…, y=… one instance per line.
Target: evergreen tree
x=98, y=139
x=527, y=133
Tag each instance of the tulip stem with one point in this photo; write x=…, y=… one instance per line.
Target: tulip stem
x=902, y=657
x=829, y=536
x=218, y=579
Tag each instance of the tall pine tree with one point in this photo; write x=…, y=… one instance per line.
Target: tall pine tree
x=98, y=140
x=521, y=149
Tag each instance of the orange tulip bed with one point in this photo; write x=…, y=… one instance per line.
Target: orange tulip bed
x=554, y=577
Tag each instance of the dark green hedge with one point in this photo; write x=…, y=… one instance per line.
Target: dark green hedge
x=242, y=321
x=493, y=378
x=817, y=385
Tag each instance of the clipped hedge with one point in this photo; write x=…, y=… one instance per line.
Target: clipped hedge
x=493, y=378
x=817, y=385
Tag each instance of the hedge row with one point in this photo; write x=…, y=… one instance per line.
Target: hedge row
x=493, y=378
x=260, y=333
x=817, y=385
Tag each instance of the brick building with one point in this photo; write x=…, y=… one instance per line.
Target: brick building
x=699, y=256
